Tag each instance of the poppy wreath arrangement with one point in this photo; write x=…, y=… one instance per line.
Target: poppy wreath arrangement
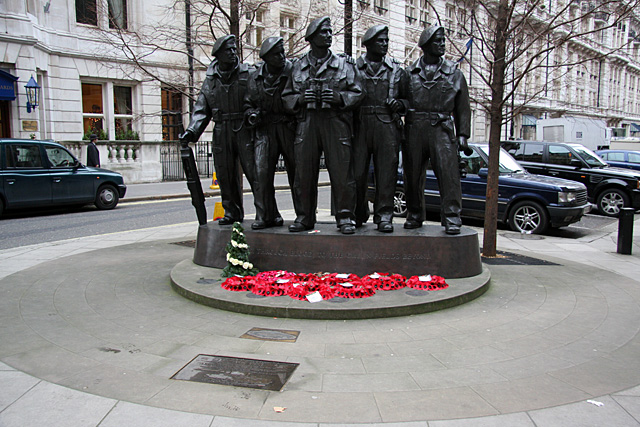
x=329, y=285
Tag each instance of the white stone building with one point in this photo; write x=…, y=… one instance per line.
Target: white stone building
x=70, y=47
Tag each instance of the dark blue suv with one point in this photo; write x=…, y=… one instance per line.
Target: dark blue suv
x=528, y=203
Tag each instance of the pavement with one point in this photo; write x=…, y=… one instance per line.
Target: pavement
x=91, y=333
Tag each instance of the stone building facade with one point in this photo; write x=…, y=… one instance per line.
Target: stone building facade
x=115, y=65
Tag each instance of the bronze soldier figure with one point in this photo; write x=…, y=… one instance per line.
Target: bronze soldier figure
x=221, y=99
x=379, y=129
x=438, y=124
x=274, y=129
x=323, y=91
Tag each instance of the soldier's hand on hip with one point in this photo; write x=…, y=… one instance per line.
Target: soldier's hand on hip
x=331, y=96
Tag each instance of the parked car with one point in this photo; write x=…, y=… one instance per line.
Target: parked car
x=528, y=203
x=609, y=188
x=621, y=158
x=43, y=173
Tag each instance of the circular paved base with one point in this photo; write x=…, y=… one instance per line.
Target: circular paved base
x=202, y=285
x=108, y=323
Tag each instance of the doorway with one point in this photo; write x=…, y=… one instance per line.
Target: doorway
x=5, y=119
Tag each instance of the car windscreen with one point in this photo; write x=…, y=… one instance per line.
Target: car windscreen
x=589, y=156
x=507, y=163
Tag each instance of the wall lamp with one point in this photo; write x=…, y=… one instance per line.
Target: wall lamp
x=32, y=89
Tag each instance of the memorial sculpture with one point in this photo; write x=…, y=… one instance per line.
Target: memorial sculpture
x=272, y=128
x=221, y=99
x=438, y=124
x=379, y=127
x=323, y=91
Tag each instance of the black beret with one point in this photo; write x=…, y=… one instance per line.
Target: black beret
x=314, y=26
x=268, y=44
x=428, y=33
x=220, y=42
x=373, y=32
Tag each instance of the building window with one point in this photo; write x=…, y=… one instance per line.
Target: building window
x=287, y=31
x=108, y=121
x=86, y=12
x=380, y=7
x=92, y=112
x=424, y=13
x=410, y=12
x=171, y=114
x=360, y=50
x=122, y=112
x=118, y=14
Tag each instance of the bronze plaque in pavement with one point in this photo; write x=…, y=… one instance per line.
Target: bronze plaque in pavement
x=271, y=335
x=237, y=372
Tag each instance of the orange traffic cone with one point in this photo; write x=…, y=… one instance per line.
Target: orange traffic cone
x=214, y=185
x=218, y=211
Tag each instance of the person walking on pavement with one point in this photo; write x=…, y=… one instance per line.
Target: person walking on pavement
x=273, y=128
x=379, y=127
x=323, y=92
x=438, y=124
x=93, y=155
x=221, y=99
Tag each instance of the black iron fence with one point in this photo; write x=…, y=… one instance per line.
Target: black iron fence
x=172, y=164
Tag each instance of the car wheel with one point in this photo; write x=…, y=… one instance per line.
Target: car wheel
x=107, y=197
x=399, y=203
x=528, y=217
x=611, y=200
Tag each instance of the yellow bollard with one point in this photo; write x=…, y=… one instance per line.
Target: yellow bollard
x=214, y=185
x=218, y=211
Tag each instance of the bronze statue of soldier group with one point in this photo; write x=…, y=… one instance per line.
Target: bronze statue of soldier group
x=354, y=112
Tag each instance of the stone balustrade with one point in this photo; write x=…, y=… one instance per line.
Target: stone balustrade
x=137, y=161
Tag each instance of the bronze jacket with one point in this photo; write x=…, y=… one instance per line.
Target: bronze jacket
x=446, y=93
x=218, y=101
x=337, y=73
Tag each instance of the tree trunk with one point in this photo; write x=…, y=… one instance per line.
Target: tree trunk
x=234, y=24
x=495, y=120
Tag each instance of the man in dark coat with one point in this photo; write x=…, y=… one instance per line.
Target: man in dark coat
x=379, y=129
x=323, y=92
x=438, y=124
x=221, y=99
x=93, y=155
x=273, y=128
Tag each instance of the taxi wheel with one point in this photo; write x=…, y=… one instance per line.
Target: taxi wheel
x=528, y=217
x=107, y=197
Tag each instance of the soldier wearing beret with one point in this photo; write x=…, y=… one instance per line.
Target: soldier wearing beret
x=221, y=99
x=273, y=129
x=323, y=92
x=438, y=124
x=379, y=129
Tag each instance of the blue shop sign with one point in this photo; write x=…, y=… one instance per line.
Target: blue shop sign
x=7, y=86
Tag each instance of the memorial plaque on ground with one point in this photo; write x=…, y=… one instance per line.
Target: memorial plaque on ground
x=237, y=372
x=271, y=335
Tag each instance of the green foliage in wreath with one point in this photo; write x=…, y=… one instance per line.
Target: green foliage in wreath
x=238, y=263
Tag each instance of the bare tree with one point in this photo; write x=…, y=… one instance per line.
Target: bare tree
x=516, y=40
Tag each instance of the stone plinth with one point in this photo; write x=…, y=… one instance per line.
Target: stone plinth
x=427, y=250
